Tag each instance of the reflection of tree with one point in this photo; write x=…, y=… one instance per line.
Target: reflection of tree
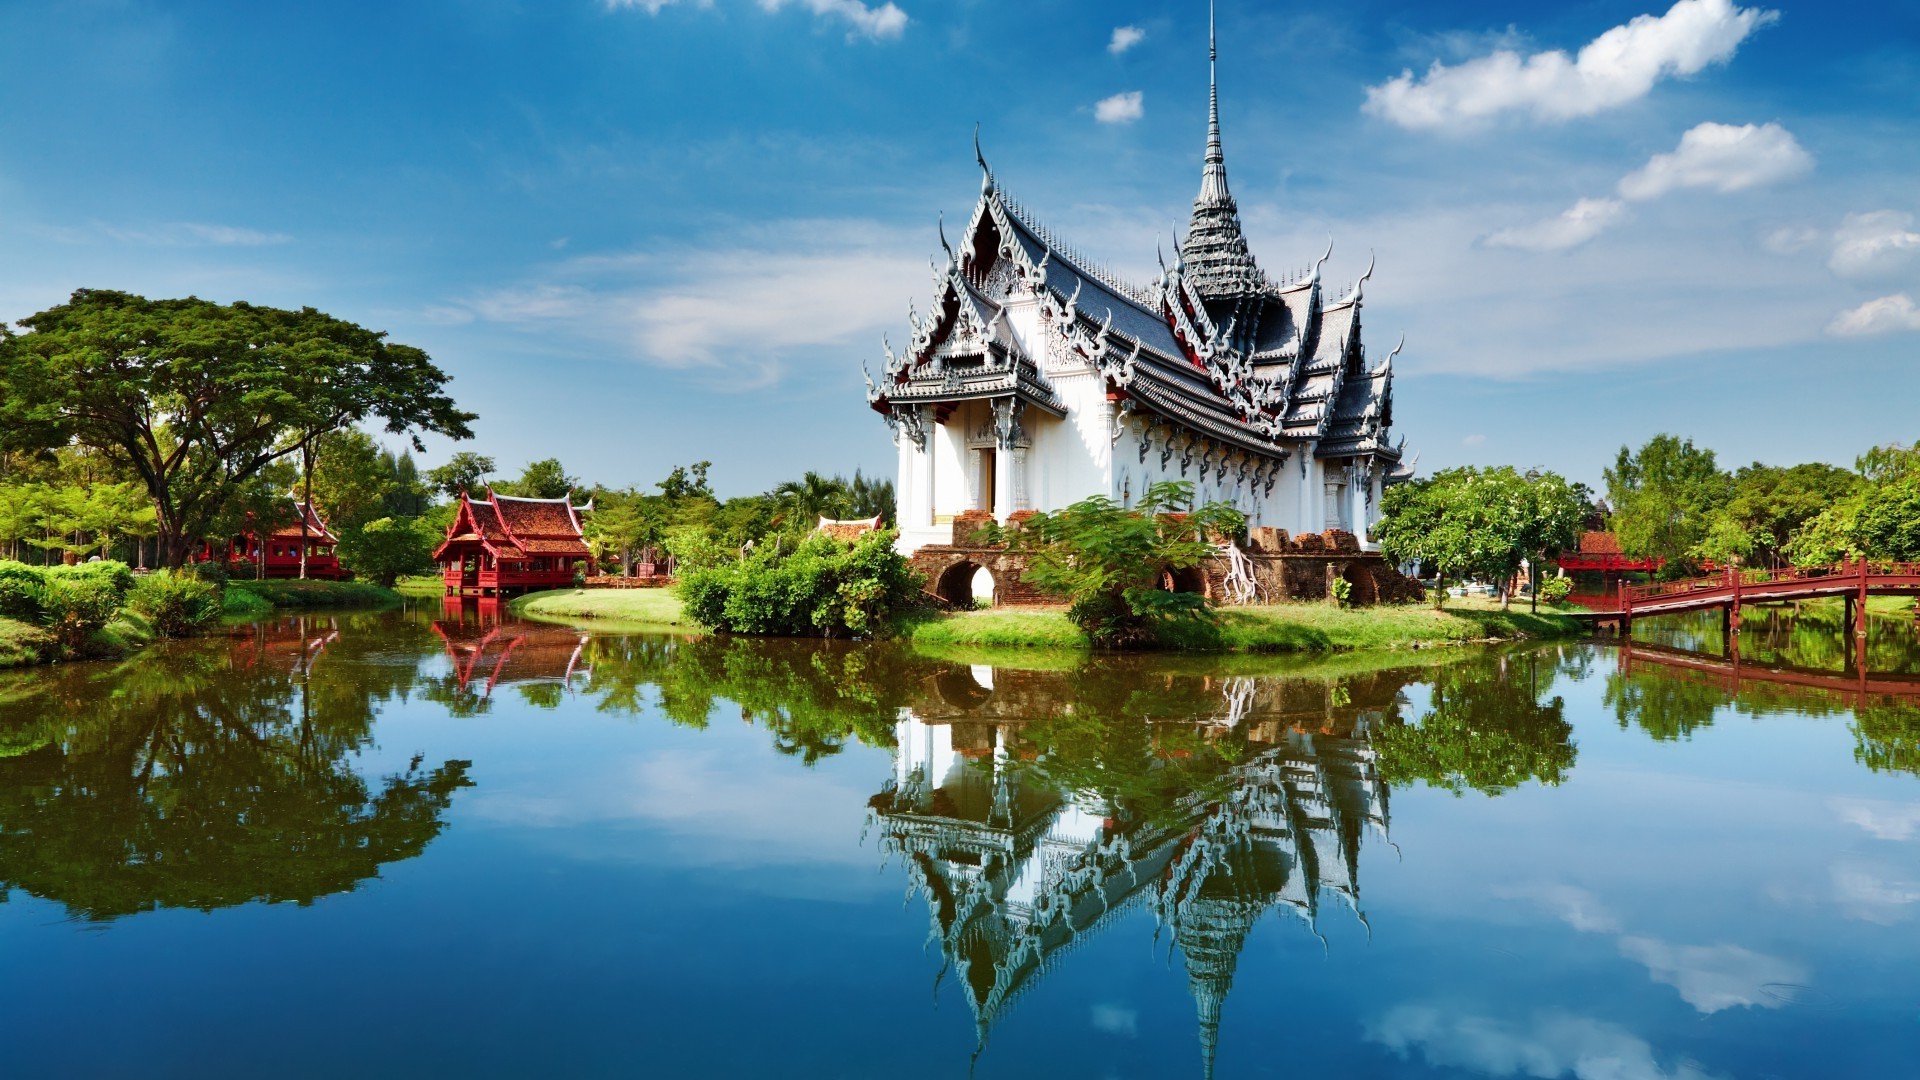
x=1887, y=736
x=196, y=777
x=1664, y=705
x=1488, y=730
x=813, y=696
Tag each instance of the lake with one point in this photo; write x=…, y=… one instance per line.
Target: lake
x=441, y=841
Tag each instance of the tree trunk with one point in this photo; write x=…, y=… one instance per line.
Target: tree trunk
x=306, y=481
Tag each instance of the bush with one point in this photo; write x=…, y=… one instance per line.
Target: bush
x=824, y=587
x=1555, y=589
x=212, y=572
x=75, y=606
x=386, y=549
x=1342, y=590
x=20, y=589
x=178, y=604
x=111, y=572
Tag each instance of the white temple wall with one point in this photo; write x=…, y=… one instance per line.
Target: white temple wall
x=1070, y=458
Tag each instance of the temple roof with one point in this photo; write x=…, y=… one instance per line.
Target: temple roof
x=511, y=527
x=1212, y=349
x=316, y=532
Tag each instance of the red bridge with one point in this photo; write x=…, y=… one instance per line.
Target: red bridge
x=1729, y=589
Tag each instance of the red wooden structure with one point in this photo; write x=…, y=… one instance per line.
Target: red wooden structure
x=501, y=545
x=281, y=549
x=1599, y=552
x=1727, y=590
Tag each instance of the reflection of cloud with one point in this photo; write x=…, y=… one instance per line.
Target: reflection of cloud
x=1885, y=820
x=1116, y=1020
x=1576, y=907
x=1548, y=1045
x=1866, y=895
x=1709, y=977
x=736, y=816
x=1713, y=977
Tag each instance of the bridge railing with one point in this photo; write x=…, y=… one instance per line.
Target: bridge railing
x=1752, y=577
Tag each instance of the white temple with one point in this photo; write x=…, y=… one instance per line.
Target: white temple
x=1039, y=379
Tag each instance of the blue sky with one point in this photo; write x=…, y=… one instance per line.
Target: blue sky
x=641, y=233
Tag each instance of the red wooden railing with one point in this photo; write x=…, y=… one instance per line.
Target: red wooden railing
x=1731, y=585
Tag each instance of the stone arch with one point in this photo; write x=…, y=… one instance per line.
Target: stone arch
x=1366, y=590
x=1190, y=579
x=955, y=583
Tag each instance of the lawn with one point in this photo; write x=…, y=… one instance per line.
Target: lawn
x=1265, y=628
x=637, y=608
x=22, y=644
x=288, y=593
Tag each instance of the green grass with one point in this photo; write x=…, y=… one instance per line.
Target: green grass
x=284, y=593
x=22, y=644
x=635, y=608
x=241, y=604
x=421, y=585
x=1277, y=628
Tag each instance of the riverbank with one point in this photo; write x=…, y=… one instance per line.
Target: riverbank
x=1273, y=628
x=1277, y=628
x=26, y=645
x=641, y=609
x=288, y=594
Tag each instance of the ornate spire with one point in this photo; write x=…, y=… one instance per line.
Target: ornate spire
x=1215, y=249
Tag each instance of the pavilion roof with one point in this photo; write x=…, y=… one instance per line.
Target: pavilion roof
x=513, y=527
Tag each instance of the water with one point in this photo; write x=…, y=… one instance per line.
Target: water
x=444, y=843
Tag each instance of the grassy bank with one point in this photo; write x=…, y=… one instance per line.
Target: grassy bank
x=636, y=608
x=300, y=595
x=24, y=644
x=1276, y=628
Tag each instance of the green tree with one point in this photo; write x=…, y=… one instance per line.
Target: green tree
x=385, y=549
x=196, y=397
x=1469, y=522
x=1107, y=561
x=543, y=479
x=351, y=484
x=408, y=496
x=464, y=471
x=1769, y=504
x=688, y=482
x=262, y=504
x=1664, y=498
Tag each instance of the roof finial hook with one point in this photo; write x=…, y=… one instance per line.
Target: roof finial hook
x=986, y=174
x=1360, y=287
x=940, y=223
x=1386, y=366
x=1322, y=260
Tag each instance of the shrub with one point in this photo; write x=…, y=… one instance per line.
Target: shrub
x=75, y=606
x=20, y=589
x=1555, y=589
x=1342, y=590
x=110, y=572
x=178, y=604
x=823, y=587
x=386, y=549
x=210, y=571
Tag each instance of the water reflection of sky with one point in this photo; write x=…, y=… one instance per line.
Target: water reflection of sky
x=621, y=892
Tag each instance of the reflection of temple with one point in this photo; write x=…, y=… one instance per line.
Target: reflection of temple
x=292, y=643
x=489, y=651
x=1017, y=872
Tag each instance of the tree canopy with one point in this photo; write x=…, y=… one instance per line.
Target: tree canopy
x=1471, y=522
x=196, y=397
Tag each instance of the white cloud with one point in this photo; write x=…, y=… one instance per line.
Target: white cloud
x=748, y=305
x=1789, y=240
x=1574, y=226
x=878, y=23
x=1473, y=440
x=1617, y=67
x=1548, y=1045
x=1867, y=245
x=1721, y=157
x=1124, y=38
x=1714, y=977
x=1886, y=315
x=1122, y=108
x=1885, y=820
x=882, y=23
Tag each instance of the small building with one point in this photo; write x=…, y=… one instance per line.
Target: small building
x=502, y=544
x=280, y=550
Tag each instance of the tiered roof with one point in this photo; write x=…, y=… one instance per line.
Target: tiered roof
x=510, y=527
x=317, y=531
x=1213, y=348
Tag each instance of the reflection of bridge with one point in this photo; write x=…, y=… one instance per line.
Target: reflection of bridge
x=1728, y=590
x=1730, y=672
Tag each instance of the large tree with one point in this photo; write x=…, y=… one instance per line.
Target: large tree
x=197, y=397
x=1469, y=521
x=1664, y=498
